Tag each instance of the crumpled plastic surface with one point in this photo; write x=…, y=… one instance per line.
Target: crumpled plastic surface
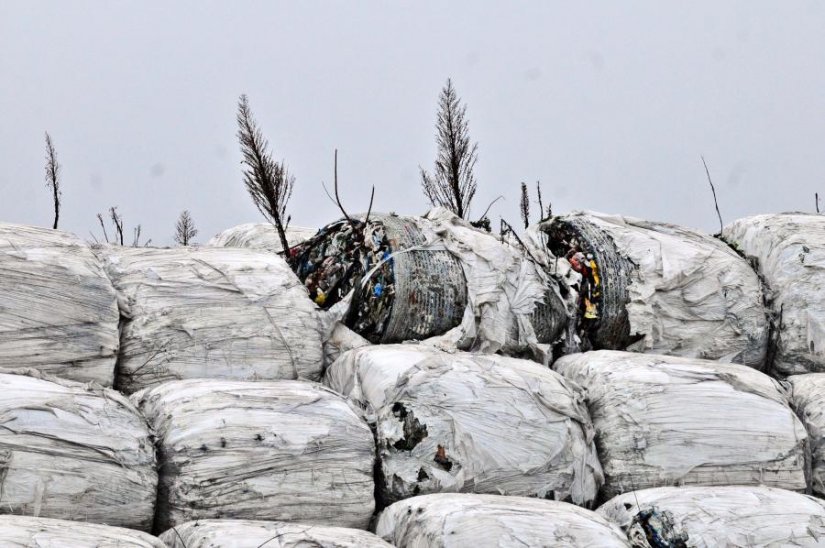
x=664, y=420
x=74, y=451
x=711, y=517
x=790, y=251
x=690, y=294
x=58, y=310
x=263, y=236
x=473, y=423
x=209, y=533
x=273, y=450
x=482, y=521
x=30, y=532
x=808, y=398
x=211, y=313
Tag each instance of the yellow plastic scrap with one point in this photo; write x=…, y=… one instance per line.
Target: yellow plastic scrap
x=590, y=310
x=595, y=270
x=321, y=298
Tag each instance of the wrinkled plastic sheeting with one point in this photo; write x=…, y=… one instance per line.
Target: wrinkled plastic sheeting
x=58, y=310
x=211, y=313
x=272, y=534
x=709, y=517
x=468, y=422
x=689, y=294
x=482, y=521
x=664, y=420
x=30, y=532
x=789, y=252
x=808, y=398
x=74, y=451
x=273, y=450
x=262, y=236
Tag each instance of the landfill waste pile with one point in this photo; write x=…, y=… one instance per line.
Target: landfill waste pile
x=660, y=288
x=211, y=313
x=707, y=517
x=209, y=533
x=58, y=310
x=470, y=423
x=664, y=420
x=808, y=399
x=788, y=252
x=74, y=451
x=33, y=532
x=272, y=450
x=261, y=236
x=452, y=520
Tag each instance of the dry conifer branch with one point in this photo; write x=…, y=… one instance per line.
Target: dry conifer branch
x=713, y=189
x=53, y=177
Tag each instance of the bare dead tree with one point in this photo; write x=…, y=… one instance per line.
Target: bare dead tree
x=713, y=189
x=816, y=197
x=525, y=205
x=53, y=177
x=117, y=221
x=118, y=234
x=549, y=213
x=185, y=229
x=267, y=181
x=452, y=184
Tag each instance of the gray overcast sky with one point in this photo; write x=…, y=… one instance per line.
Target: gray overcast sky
x=609, y=104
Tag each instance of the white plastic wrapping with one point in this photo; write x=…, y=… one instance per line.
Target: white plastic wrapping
x=482, y=521
x=74, y=451
x=711, y=517
x=789, y=250
x=211, y=313
x=473, y=423
x=689, y=294
x=263, y=236
x=273, y=450
x=230, y=533
x=58, y=310
x=663, y=420
x=808, y=398
x=29, y=532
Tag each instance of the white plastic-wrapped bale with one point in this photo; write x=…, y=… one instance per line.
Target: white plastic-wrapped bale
x=710, y=517
x=660, y=288
x=788, y=251
x=273, y=450
x=452, y=520
x=664, y=420
x=30, y=532
x=808, y=398
x=74, y=451
x=229, y=533
x=211, y=313
x=448, y=422
x=58, y=310
x=263, y=236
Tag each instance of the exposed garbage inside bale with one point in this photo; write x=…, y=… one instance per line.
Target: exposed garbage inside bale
x=808, y=398
x=263, y=236
x=461, y=520
x=27, y=531
x=215, y=533
x=58, y=310
x=788, y=251
x=717, y=516
x=448, y=422
x=74, y=451
x=664, y=420
x=273, y=450
x=661, y=288
x=211, y=313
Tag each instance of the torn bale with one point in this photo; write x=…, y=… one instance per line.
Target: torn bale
x=717, y=516
x=44, y=532
x=74, y=451
x=448, y=422
x=214, y=533
x=808, y=398
x=788, y=252
x=664, y=420
x=58, y=310
x=260, y=236
x=211, y=313
x=458, y=520
x=660, y=288
x=273, y=450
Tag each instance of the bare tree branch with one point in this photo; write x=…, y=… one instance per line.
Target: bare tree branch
x=816, y=197
x=53, y=177
x=713, y=189
x=337, y=197
x=185, y=229
x=117, y=220
x=525, y=205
